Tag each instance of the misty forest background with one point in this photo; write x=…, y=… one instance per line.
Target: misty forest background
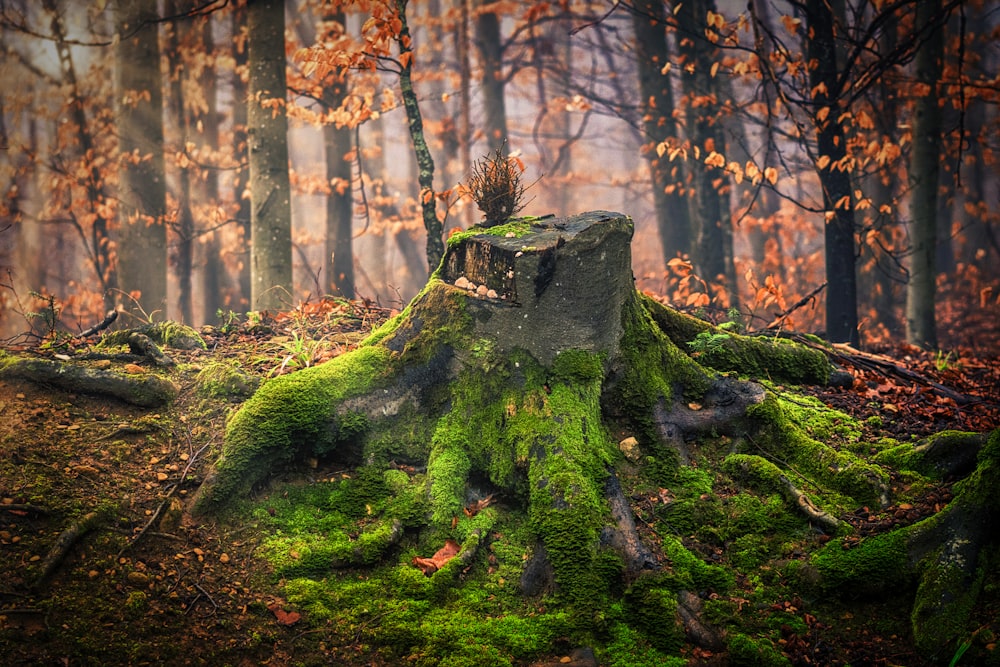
x=764, y=150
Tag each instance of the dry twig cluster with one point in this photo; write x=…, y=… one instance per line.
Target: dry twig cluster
x=495, y=185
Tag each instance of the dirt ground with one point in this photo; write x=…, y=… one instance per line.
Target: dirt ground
x=144, y=583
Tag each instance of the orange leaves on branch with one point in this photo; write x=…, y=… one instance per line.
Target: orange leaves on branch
x=791, y=24
x=431, y=565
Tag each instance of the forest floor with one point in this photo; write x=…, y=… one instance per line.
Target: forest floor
x=147, y=585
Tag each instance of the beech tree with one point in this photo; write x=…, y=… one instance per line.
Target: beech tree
x=267, y=137
x=924, y=160
x=673, y=216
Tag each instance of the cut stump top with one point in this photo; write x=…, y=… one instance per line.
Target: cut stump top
x=559, y=285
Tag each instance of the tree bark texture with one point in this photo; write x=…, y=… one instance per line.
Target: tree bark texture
x=491, y=55
x=712, y=249
x=270, y=192
x=339, y=260
x=142, y=233
x=425, y=162
x=673, y=218
x=924, y=171
x=831, y=142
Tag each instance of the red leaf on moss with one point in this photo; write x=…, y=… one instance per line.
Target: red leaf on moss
x=431, y=565
x=284, y=617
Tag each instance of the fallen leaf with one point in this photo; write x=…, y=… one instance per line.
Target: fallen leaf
x=284, y=617
x=431, y=565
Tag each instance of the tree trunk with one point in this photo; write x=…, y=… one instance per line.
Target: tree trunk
x=712, y=249
x=339, y=260
x=212, y=276
x=241, y=176
x=838, y=200
x=428, y=199
x=491, y=54
x=924, y=168
x=270, y=192
x=673, y=219
x=102, y=256
x=185, y=218
x=512, y=375
x=142, y=234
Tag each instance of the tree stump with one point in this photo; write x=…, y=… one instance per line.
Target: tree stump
x=548, y=286
x=510, y=378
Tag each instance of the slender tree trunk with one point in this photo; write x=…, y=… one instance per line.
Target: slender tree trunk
x=270, y=191
x=712, y=249
x=465, y=124
x=212, y=276
x=428, y=201
x=339, y=260
x=185, y=219
x=491, y=54
x=142, y=252
x=841, y=290
x=924, y=158
x=673, y=217
x=241, y=177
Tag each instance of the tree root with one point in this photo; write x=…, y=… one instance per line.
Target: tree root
x=758, y=471
x=62, y=545
x=147, y=390
x=624, y=538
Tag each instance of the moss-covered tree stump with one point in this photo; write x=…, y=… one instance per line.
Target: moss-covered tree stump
x=512, y=379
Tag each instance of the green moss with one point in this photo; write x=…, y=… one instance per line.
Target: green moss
x=292, y=415
x=653, y=369
x=839, y=470
x=876, y=564
x=577, y=366
x=518, y=227
x=778, y=359
x=629, y=648
x=652, y=609
x=688, y=572
x=223, y=379
x=745, y=651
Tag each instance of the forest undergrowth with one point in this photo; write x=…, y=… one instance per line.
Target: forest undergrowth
x=141, y=582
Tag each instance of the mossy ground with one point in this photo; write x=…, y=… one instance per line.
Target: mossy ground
x=739, y=546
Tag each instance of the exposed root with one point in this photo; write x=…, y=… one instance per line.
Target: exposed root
x=63, y=544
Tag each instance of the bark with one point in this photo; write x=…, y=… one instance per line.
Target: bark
x=241, y=176
x=338, y=260
x=925, y=157
x=831, y=142
x=490, y=48
x=712, y=249
x=425, y=162
x=673, y=219
x=142, y=234
x=185, y=218
x=212, y=276
x=270, y=192
x=145, y=390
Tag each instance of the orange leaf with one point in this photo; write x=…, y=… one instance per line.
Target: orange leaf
x=284, y=617
x=431, y=565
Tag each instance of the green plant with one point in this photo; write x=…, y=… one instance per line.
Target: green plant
x=229, y=320
x=298, y=352
x=942, y=361
x=48, y=314
x=959, y=652
x=707, y=342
